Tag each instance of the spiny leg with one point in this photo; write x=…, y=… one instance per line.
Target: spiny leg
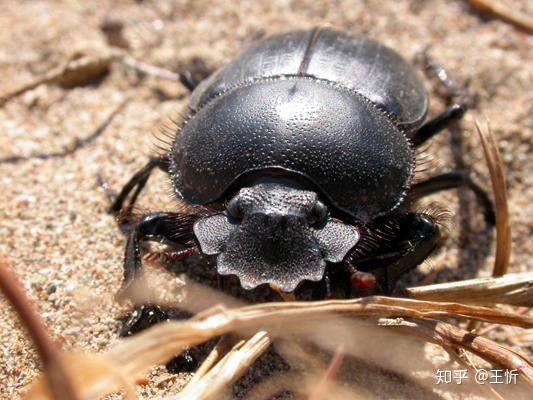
x=137, y=183
x=458, y=96
x=453, y=112
x=454, y=180
x=433, y=69
x=144, y=317
x=416, y=236
x=172, y=227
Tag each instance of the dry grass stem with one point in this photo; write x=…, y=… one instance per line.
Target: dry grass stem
x=74, y=72
x=232, y=366
x=497, y=177
x=135, y=355
x=451, y=336
x=150, y=70
x=503, y=229
x=467, y=361
x=505, y=13
x=512, y=289
x=209, y=361
x=79, y=71
x=58, y=379
x=372, y=306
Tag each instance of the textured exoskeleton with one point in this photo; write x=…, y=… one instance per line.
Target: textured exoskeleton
x=302, y=149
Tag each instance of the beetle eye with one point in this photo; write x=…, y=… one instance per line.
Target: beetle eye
x=318, y=213
x=234, y=208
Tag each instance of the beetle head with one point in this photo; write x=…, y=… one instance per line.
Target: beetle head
x=274, y=233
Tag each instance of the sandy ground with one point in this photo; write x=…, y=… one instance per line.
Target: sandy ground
x=53, y=224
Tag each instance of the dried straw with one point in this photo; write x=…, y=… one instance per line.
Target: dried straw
x=232, y=366
x=512, y=289
x=505, y=13
x=135, y=355
x=497, y=177
x=59, y=383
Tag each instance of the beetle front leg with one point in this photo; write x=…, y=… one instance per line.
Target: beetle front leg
x=421, y=238
x=146, y=316
x=416, y=238
x=172, y=227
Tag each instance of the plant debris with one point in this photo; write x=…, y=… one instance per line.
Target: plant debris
x=505, y=13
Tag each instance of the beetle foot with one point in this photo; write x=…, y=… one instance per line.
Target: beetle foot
x=146, y=316
x=185, y=362
x=162, y=260
x=110, y=193
x=450, y=89
x=142, y=318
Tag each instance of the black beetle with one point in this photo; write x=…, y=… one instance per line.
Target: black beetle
x=301, y=152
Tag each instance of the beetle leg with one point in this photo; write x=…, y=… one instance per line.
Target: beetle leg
x=146, y=316
x=458, y=94
x=137, y=183
x=198, y=72
x=453, y=180
x=173, y=227
x=452, y=113
x=411, y=258
x=416, y=238
x=420, y=236
x=188, y=80
x=434, y=69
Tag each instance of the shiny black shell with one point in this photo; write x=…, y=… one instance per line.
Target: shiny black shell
x=324, y=105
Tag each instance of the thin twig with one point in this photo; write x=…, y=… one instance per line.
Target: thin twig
x=74, y=72
x=150, y=70
x=512, y=289
x=465, y=359
x=232, y=366
x=507, y=14
x=136, y=354
x=497, y=177
x=499, y=189
x=444, y=333
x=59, y=379
x=83, y=70
x=209, y=361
